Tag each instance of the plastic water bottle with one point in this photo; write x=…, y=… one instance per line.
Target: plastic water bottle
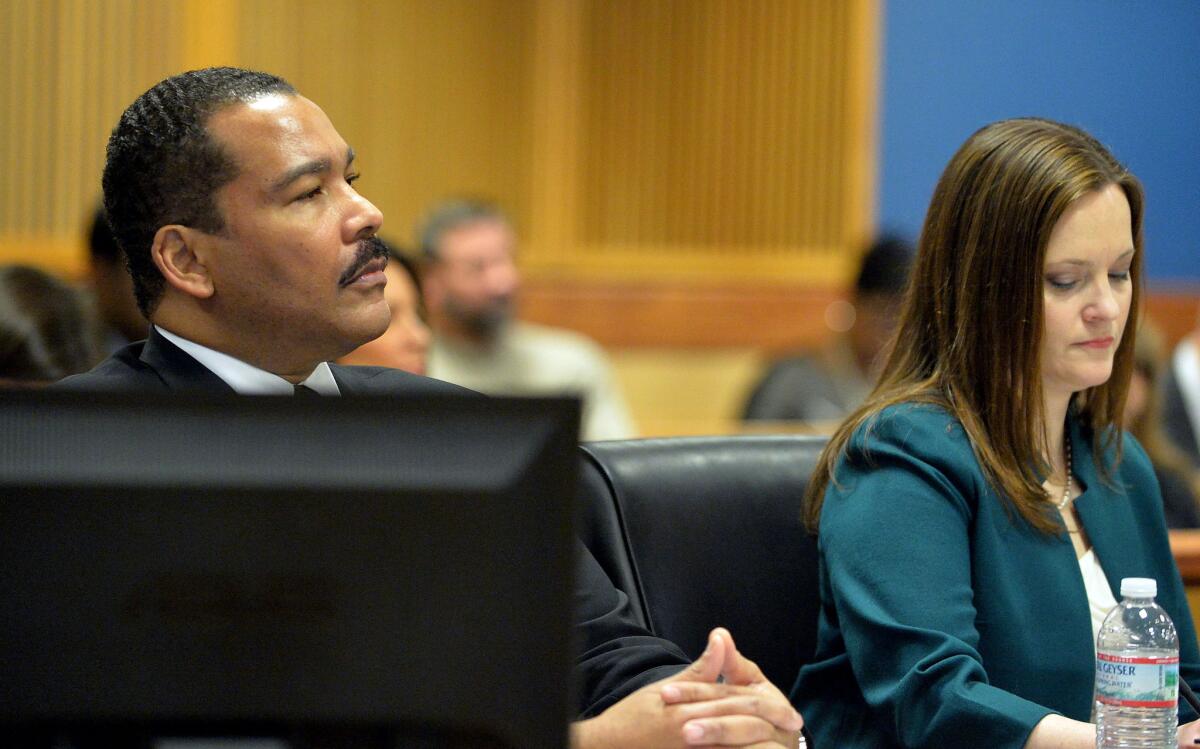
x=1137, y=672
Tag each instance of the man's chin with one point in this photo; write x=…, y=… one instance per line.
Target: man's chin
x=486, y=327
x=482, y=325
x=371, y=327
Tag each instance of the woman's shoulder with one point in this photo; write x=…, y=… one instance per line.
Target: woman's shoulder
x=917, y=431
x=918, y=423
x=912, y=452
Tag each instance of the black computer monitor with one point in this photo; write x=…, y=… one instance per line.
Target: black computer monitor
x=325, y=572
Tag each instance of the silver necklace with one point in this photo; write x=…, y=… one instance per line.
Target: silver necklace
x=1067, y=490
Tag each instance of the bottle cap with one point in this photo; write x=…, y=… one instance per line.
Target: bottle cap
x=1139, y=587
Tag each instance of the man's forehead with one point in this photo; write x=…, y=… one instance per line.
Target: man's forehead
x=271, y=134
x=486, y=235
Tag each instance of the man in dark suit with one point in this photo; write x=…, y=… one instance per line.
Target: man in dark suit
x=255, y=260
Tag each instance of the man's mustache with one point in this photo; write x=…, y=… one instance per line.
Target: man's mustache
x=368, y=249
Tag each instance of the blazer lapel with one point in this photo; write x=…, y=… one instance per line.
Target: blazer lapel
x=178, y=370
x=1108, y=517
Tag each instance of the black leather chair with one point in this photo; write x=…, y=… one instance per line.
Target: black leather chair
x=706, y=531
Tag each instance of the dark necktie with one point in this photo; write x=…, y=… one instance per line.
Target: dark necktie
x=302, y=391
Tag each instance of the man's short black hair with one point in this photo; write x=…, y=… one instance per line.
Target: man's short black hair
x=163, y=168
x=885, y=267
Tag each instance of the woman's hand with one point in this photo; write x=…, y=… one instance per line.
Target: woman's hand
x=1187, y=734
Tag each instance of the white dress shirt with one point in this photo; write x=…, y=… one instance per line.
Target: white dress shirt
x=246, y=379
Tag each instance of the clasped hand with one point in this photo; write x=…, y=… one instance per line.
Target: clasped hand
x=690, y=709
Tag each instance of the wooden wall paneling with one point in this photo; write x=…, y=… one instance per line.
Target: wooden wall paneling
x=555, y=71
x=710, y=136
x=722, y=184
x=862, y=112
x=72, y=67
x=209, y=35
x=768, y=316
x=24, y=59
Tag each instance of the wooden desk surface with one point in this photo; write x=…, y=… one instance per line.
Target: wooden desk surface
x=1185, y=545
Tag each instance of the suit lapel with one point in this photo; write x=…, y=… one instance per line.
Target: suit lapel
x=178, y=370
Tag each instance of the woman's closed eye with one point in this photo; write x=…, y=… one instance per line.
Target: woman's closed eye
x=1062, y=283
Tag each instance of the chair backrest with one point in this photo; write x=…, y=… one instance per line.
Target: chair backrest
x=706, y=531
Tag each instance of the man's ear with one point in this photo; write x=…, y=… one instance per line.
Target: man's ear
x=178, y=254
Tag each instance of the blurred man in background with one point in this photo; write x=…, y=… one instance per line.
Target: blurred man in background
x=831, y=383
x=471, y=283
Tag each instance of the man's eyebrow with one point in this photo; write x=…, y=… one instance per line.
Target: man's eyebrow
x=317, y=166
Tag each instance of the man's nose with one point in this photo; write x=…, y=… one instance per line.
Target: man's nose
x=363, y=219
x=503, y=278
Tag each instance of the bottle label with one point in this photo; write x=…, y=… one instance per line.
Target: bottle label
x=1125, y=681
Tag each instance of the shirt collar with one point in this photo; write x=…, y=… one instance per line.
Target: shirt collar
x=246, y=379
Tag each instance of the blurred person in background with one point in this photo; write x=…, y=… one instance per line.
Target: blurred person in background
x=405, y=344
x=48, y=330
x=1181, y=396
x=1144, y=419
x=112, y=286
x=471, y=283
x=829, y=384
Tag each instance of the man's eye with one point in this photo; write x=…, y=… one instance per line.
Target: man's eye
x=310, y=194
x=352, y=178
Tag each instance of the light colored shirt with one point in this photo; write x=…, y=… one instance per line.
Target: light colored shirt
x=1100, y=597
x=530, y=360
x=246, y=379
x=1186, y=363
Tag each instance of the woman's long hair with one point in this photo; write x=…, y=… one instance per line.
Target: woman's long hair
x=971, y=326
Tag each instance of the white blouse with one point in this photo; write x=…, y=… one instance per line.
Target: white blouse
x=1100, y=597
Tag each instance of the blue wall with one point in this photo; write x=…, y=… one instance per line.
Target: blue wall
x=1128, y=72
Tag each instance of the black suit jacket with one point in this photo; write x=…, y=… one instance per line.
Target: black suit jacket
x=157, y=365
x=616, y=655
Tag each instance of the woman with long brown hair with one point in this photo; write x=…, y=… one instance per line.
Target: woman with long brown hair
x=978, y=512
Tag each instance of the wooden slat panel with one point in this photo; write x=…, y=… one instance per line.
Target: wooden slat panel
x=71, y=66
x=727, y=137
x=770, y=317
